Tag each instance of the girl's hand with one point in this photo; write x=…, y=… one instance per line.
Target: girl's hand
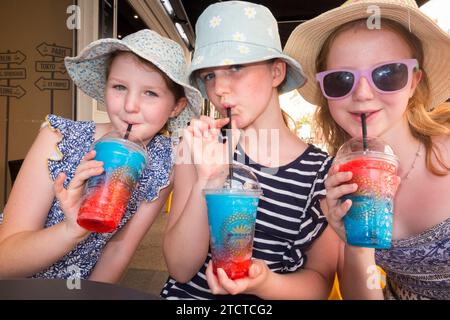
x=337, y=188
x=207, y=152
x=221, y=284
x=70, y=198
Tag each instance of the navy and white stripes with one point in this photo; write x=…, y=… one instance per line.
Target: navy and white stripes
x=288, y=219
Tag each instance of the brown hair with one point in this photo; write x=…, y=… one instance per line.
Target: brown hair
x=176, y=89
x=423, y=124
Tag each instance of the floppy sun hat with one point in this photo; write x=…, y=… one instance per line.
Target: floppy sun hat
x=88, y=69
x=306, y=41
x=238, y=32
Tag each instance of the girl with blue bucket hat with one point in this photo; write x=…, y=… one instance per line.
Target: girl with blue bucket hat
x=142, y=80
x=239, y=66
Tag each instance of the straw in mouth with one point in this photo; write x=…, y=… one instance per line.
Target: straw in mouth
x=230, y=147
x=128, y=131
x=364, y=131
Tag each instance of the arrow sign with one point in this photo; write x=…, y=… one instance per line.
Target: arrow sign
x=52, y=84
x=12, y=57
x=13, y=73
x=16, y=91
x=49, y=66
x=53, y=51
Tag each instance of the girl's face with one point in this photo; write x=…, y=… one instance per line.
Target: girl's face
x=247, y=88
x=362, y=49
x=137, y=94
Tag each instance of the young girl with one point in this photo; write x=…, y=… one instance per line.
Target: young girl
x=142, y=81
x=402, y=94
x=238, y=65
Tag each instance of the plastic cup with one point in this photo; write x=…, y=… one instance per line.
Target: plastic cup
x=106, y=196
x=368, y=223
x=232, y=206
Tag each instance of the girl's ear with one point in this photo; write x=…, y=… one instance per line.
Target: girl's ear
x=179, y=106
x=416, y=77
x=278, y=72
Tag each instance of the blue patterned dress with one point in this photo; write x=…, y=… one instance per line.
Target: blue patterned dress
x=418, y=267
x=77, y=138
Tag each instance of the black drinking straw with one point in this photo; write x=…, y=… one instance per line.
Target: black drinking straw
x=230, y=147
x=364, y=131
x=128, y=131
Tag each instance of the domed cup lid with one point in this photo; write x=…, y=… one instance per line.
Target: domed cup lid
x=376, y=148
x=234, y=178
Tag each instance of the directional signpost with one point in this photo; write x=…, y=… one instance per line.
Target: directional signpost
x=47, y=50
x=13, y=73
x=12, y=57
x=12, y=91
x=8, y=73
x=52, y=84
x=46, y=66
x=54, y=66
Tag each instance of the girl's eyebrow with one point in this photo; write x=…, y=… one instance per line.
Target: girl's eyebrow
x=115, y=79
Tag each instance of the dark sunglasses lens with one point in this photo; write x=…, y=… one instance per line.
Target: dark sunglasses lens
x=390, y=77
x=338, y=84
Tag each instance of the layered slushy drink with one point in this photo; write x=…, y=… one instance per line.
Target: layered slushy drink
x=232, y=215
x=368, y=223
x=106, y=196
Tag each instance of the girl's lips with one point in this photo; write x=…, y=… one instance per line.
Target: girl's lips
x=228, y=106
x=369, y=115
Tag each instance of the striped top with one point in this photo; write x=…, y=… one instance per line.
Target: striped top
x=288, y=219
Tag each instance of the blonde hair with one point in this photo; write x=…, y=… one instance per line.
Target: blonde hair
x=423, y=124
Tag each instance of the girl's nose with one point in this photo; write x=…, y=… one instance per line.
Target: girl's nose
x=363, y=90
x=221, y=84
x=131, y=103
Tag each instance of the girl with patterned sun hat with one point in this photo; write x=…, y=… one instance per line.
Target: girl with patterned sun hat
x=142, y=81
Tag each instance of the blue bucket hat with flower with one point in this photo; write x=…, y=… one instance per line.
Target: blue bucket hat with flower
x=239, y=32
x=88, y=69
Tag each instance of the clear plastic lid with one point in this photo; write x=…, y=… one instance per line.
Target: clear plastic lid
x=375, y=148
x=132, y=142
x=234, y=178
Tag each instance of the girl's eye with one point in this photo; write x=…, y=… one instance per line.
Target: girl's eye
x=236, y=67
x=119, y=87
x=208, y=76
x=150, y=93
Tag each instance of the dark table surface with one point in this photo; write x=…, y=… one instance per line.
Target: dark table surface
x=44, y=289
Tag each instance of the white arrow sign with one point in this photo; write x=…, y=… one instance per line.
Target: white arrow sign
x=16, y=91
x=18, y=73
x=49, y=66
x=53, y=50
x=12, y=57
x=52, y=84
